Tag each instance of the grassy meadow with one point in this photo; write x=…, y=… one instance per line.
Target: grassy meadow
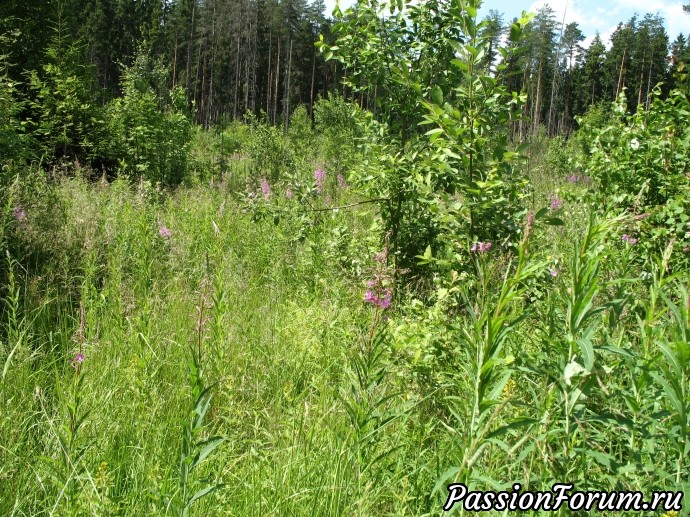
x=224, y=348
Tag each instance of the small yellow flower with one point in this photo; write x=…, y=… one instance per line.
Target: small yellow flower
x=103, y=476
x=671, y=513
x=509, y=390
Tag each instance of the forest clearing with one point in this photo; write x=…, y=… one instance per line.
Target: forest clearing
x=255, y=260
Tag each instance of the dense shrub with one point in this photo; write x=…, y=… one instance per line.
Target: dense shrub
x=65, y=120
x=640, y=163
x=151, y=134
x=337, y=125
x=14, y=143
x=268, y=149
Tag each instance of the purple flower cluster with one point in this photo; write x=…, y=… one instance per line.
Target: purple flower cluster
x=554, y=272
x=19, y=213
x=481, y=247
x=265, y=189
x=630, y=240
x=320, y=178
x=377, y=296
x=164, y=232
x=555, y=203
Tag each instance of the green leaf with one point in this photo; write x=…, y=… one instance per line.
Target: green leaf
x=517, y=423
x=207, y=447
x=443, y=480
x=541, y=213
x=437, y=94
x=203, y=492
x=459, y=63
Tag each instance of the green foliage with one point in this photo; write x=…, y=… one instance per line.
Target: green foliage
x=301, y=137
x=337, y=124
x=234, y=138
x=67, y=123
x=640, y=163
x=325, y=376
x=458, y=183
x=14, y=143
x=269, y=150
x=151, y=134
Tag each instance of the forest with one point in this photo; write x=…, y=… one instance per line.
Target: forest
x=257, y=258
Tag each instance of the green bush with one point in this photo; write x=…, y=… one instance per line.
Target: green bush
x=336, y=122
x=152, y=135
x=301, y=135
x=14, y=143
x=640, y=163
x=269, y=150
x=66, y=122
x=234, y=138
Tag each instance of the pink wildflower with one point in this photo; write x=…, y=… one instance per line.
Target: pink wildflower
x=319, y=177
x=382, y=298
x=481, y=247
x=164, y=232
x=630, y=240
x=265, y=189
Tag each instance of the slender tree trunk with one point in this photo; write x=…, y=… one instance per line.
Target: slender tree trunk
x=568, y=88
x=174, y=74
x=286, y=103
x=237, y=78
x=649, y=84
x=620, y=84
x=268, y=87
x=537, y=100
x=246, y=79
x=196, y=81
x=311, y=90
x=639, y=89
x=202, y=104
x=209, y=115
x=255, y=60
x=190, y=49
x=275, y=89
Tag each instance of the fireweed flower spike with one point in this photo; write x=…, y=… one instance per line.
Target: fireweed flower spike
x=319, y=177
x=481, y=247
x=265, y=189
x=630, y=240
x=382, y=298
x=19, y=213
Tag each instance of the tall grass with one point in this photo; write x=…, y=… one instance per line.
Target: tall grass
x=182, y=353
